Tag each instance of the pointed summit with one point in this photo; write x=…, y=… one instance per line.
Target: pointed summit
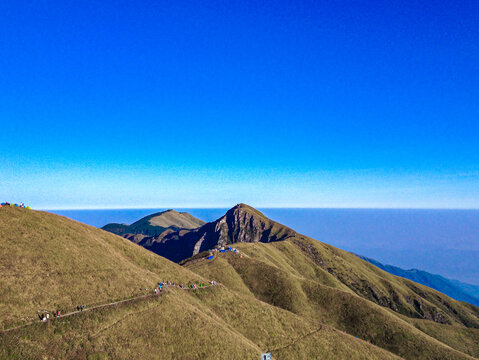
x=244, y=223
x=241, y=223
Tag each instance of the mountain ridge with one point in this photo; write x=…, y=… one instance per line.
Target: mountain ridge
x=296, y=297
x=453, y=288
x=241, y=223
x=57, y=263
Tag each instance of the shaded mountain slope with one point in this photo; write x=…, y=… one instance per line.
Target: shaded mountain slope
x=453, y=288
x=155, y=224
x=242, y=223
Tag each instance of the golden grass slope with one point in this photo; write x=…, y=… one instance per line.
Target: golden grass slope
x=214, y=323
x=300, y=278
x=49, y=262
x=172, y=218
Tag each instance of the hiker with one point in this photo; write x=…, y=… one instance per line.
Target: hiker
x=82, y=307
x=156, y=291
x=58, y=313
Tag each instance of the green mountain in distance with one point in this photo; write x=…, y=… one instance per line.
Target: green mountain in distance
x=282, y=292
x=453, y=288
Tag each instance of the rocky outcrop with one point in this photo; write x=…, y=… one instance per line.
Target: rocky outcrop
x=242, y=223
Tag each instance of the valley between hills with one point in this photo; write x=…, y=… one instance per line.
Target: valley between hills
x=280, y=292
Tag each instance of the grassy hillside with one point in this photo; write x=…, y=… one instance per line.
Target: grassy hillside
x=51, y=262
x=209, y=324
x=297, y=298
x=330, y=286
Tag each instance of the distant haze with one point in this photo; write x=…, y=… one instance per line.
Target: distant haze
x=444, y=242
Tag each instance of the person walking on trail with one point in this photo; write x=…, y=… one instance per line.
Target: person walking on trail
x=58, y=313
x=82, y=307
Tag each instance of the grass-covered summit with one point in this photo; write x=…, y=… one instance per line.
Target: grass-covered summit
x=157, y=223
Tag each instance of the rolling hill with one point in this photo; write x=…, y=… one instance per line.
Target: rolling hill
x=155, y=224
x=285, y=293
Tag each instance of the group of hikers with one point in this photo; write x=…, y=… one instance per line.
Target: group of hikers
x=45, y=315
x=162, y=284
x=21, y=205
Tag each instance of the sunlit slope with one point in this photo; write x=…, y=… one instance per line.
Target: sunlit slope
x=328, y=286
x=156, y=224
x=214, y=323
x=49, y=262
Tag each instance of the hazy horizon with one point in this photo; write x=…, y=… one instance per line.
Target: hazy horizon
x=258, y=207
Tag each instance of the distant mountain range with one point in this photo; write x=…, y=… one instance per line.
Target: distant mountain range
x=453, y=288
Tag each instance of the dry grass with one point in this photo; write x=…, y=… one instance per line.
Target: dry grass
x=284, y=276
x=49, y=262
x=297, y=302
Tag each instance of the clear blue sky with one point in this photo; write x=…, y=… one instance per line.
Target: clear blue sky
x=211, y=103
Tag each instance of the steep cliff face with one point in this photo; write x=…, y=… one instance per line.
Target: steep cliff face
x=242, y=223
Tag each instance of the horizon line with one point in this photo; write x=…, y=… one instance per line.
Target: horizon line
x=256, y=207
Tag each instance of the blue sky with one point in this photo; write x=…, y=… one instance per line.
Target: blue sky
x=207, y=104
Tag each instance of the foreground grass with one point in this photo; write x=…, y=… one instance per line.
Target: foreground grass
x=301, y=300
x=49, y=262
x=213, y=323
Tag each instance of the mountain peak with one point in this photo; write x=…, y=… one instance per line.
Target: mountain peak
x=241, y=223
x=244, y=208
x=157, y=223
